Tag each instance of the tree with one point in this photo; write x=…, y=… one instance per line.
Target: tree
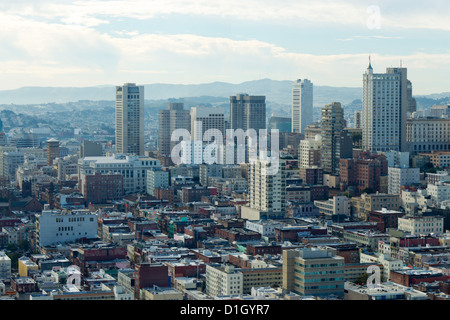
x=368, y=190
x=362, y=279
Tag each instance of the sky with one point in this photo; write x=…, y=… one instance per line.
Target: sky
x=83, y=43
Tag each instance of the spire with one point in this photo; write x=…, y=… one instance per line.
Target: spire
x=370, y=63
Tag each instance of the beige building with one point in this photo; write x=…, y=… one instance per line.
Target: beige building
x=157, y=293
x=428, y=134
x=262, y=276
x=223, y=280
x=424, y=224
x=361, y=206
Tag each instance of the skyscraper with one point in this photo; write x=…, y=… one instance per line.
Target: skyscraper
x=247, y=112
x=130, y=119
x=385, y=106
x=207, y=118
x=332, y=124
x=302, y=105
x=174, y=117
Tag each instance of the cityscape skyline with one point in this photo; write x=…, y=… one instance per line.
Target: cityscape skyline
x=90, y=43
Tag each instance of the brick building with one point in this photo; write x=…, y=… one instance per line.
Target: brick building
x=100, y=188
x=363, y=171
x=148, y=275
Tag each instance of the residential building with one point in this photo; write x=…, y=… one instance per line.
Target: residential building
x=5, y=266
x=100, y=188
x=385, y=107
x=363, y=172
x=366, y=203
x=421, y=224
x=399, y=177
x=309, y=152
x=267, y=190
x=156, y=178
x=332, y=124
x=338, y=205
x=222, y=280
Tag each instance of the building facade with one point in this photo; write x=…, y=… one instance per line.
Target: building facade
x=130, y=119
x=302, y=105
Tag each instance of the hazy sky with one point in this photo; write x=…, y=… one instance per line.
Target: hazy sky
x=89, y=43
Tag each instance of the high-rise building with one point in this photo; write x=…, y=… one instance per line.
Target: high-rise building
x=204, y=118
x=247, y=112
x=52, y=151
x=174, y=117
x=412, y=103
x=302, y=105
x=90, y=149
x=267, y=190
x=130, y=119
x=384, y=112
x=332, y=125
x=358, y=121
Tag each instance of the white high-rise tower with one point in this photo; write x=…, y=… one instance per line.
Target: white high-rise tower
x=385, y=106
x=302, y=105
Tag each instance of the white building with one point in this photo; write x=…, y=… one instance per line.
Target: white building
x=302, y=105
x=267, y=190
x=336, y=205
x=398, y=177
x=54, y=226
x=439, y=192
x=130, y=119
x=133, y=169
x=388, y=263
x=156, y=178
x=384, y=111
x=308, y=152
x=421, y=225
x=415, y=199
x=5, y=266
x=263, y=227
x=397, y=158
x=223, y=280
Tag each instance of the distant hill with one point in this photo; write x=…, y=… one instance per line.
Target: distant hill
x=276, y=92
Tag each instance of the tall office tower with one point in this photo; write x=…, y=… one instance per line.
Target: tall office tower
x=207, y=118
x=332, y=125
x=247, y=112
x=358, y=121
x=52, y=151
x=302, y=105
x=412, y=103
x=385, y=106
x=174, y=117
x=130, y=119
